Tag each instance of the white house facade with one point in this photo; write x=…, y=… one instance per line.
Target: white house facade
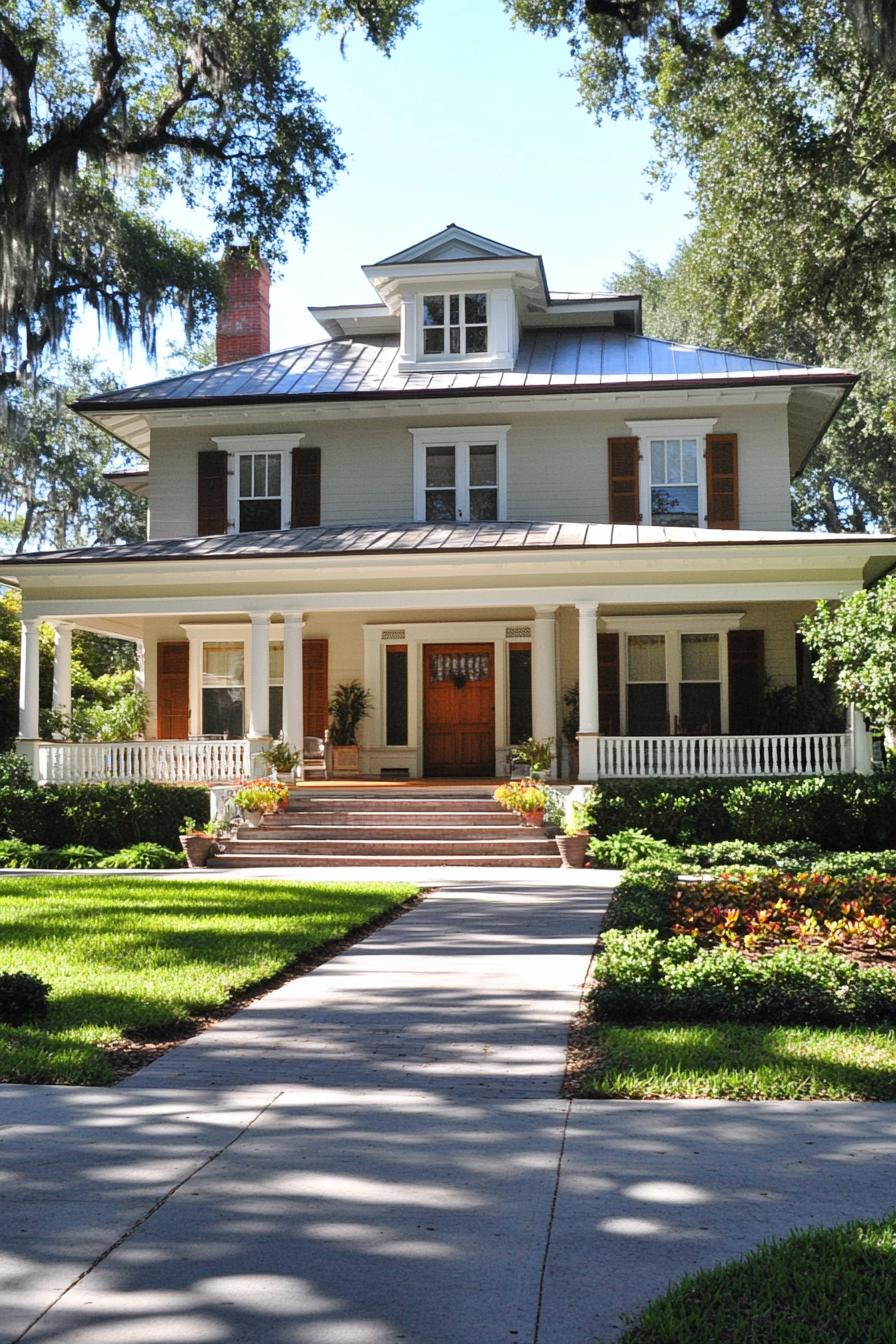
x=473, y=496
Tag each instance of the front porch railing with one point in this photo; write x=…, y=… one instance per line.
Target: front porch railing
x=171, y=762
x=690, y=757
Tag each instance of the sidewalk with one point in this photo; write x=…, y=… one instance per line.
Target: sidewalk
x=377, y=1153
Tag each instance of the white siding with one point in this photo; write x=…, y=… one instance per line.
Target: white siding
x=556, y=465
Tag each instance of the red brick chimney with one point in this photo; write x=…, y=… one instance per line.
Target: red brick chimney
x=244, y=319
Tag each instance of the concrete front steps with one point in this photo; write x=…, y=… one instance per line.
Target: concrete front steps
x=430, y=827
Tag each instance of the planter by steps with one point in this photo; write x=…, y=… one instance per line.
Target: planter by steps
x=573, y=849
x=197, y=849
x=253, y=818
x=535, y=818
x=345, y=761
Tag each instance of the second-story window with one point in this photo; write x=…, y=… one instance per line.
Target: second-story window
x=260, y=491
x=460, y=475
x=674, y=485
x=455, y=324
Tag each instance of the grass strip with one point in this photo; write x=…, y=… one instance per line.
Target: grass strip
x=822, y=1286
x=127, y=954
x=742, y=1063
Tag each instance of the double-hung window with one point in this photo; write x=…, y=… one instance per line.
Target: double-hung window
x=460, y=475
x=223, y=688
x=672, y=471
x=259, y=480
x=260, y=491
x=455, y=324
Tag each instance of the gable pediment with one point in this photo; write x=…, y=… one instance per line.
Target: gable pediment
x=453, y=243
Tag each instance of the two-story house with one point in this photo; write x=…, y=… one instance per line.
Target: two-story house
x=471, y=494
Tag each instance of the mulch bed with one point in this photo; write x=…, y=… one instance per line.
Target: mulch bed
x=139, y=1048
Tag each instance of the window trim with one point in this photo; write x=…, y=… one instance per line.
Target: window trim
x=645, y=431
x=463, y=439
x=446, y=296
x=235, y=445
x=673, y=627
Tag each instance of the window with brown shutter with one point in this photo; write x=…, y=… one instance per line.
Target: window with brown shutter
x=746, y=680
x=305, y=487
x=721, y=481
x=625, y=506
x=212, y=484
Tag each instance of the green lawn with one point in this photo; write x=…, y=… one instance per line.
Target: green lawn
x=123, y=953
x=822, y=1286
x=738, y=1062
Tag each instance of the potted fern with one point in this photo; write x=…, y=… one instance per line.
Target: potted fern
x=349, y=705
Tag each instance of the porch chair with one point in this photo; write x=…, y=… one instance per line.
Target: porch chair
x=314, y=757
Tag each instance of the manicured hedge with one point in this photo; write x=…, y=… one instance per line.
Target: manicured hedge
x=643, y=977
x=845, y=812
x=103, y=816
x=642, y=898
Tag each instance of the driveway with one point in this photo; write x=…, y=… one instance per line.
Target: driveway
x=377, y=1152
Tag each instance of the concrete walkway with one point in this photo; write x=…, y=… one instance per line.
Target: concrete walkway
x=377, y=1153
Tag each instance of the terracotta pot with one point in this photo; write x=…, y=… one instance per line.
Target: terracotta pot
x=197, y=849
x=573, y=849
x=535, y=818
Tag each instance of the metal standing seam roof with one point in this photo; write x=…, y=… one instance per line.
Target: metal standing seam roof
x=405, y=538
x=586, y=358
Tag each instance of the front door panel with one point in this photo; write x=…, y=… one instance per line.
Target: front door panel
x=459, y=709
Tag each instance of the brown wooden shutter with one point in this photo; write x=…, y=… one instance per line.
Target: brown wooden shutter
x=305, y=487
x=314, y=687
x=173, y=689
x=212, y=518
x=625, y=495
x=721, y=481
x=608, y=684
x=746, y=680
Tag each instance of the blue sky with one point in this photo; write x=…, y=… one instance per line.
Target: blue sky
x=473, y=121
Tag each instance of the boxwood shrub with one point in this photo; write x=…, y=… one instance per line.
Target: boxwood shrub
x=642, y=898
x=642, y=977
x=846, y=812
x=23, y=997
x=102, y=816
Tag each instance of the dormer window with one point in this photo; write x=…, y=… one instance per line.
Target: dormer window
x=455, y=324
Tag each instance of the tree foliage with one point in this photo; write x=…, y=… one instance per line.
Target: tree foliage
x=782, y=115
x=855, y=646
x=52, y=489
x=109, y=107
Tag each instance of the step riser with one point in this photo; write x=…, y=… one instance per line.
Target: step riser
x=407, y=820
x=419, y=852
x=348, y=833
x=426, y=805
x=384, y=861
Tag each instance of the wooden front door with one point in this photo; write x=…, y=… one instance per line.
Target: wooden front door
x=458, y=709
x=173, y=689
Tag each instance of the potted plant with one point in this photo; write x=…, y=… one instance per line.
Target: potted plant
x=536, y=753
x=198, y=841
x=349, y=705
x=259, y=797
x=573, y=843
x=526, y=797
x=282, y=760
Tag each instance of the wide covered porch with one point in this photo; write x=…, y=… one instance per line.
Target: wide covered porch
x=668, y=645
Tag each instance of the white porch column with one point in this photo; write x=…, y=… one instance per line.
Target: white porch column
x=293, y=680
x=544, y=678
x=861, y=741
x=29, y=692
x=62, y=669
x=589, y=719
x=259, y=674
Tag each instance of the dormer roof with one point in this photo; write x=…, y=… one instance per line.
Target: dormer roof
x=454, y=244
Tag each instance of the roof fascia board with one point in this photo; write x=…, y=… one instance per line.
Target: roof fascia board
x=401, y=599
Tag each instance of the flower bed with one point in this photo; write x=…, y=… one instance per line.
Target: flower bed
x=767, y=908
